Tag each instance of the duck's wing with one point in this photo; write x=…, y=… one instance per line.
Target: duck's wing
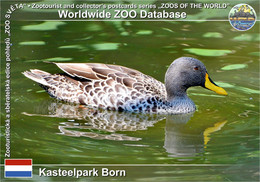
x=96, y=71
x=125, y=76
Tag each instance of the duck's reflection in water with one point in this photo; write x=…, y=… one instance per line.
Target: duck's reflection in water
x=96, y=123
x=102, y=124
x=178, y=142
x=183, y=140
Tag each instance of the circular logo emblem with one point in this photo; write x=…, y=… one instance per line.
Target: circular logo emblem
x=242, y=17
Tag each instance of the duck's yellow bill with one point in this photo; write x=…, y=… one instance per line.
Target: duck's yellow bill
x=209, y=84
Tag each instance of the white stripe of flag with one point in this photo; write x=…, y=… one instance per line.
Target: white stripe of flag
x=18, y=168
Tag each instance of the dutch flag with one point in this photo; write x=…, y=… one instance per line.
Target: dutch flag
x=18, y=168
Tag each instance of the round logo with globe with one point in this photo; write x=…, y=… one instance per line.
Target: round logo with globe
x=242, y=17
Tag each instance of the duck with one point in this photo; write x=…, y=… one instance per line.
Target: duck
x=115, y=87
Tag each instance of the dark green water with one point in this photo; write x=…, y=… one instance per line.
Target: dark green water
x=223, y=130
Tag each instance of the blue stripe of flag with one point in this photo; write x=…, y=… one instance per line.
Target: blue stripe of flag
x=9, y=174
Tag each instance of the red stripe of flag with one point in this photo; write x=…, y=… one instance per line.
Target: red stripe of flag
x=18, y=161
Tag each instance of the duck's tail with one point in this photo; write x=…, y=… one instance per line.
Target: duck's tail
x=58, y=86
x=38, y=76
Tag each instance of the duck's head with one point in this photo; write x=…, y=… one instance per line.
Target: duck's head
x=186, y=72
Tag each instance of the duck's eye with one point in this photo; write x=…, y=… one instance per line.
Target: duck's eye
x=196, y=68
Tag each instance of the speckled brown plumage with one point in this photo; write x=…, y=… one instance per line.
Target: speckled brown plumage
x=102, y=85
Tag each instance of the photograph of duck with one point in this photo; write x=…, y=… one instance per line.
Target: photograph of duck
x=116, y=87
